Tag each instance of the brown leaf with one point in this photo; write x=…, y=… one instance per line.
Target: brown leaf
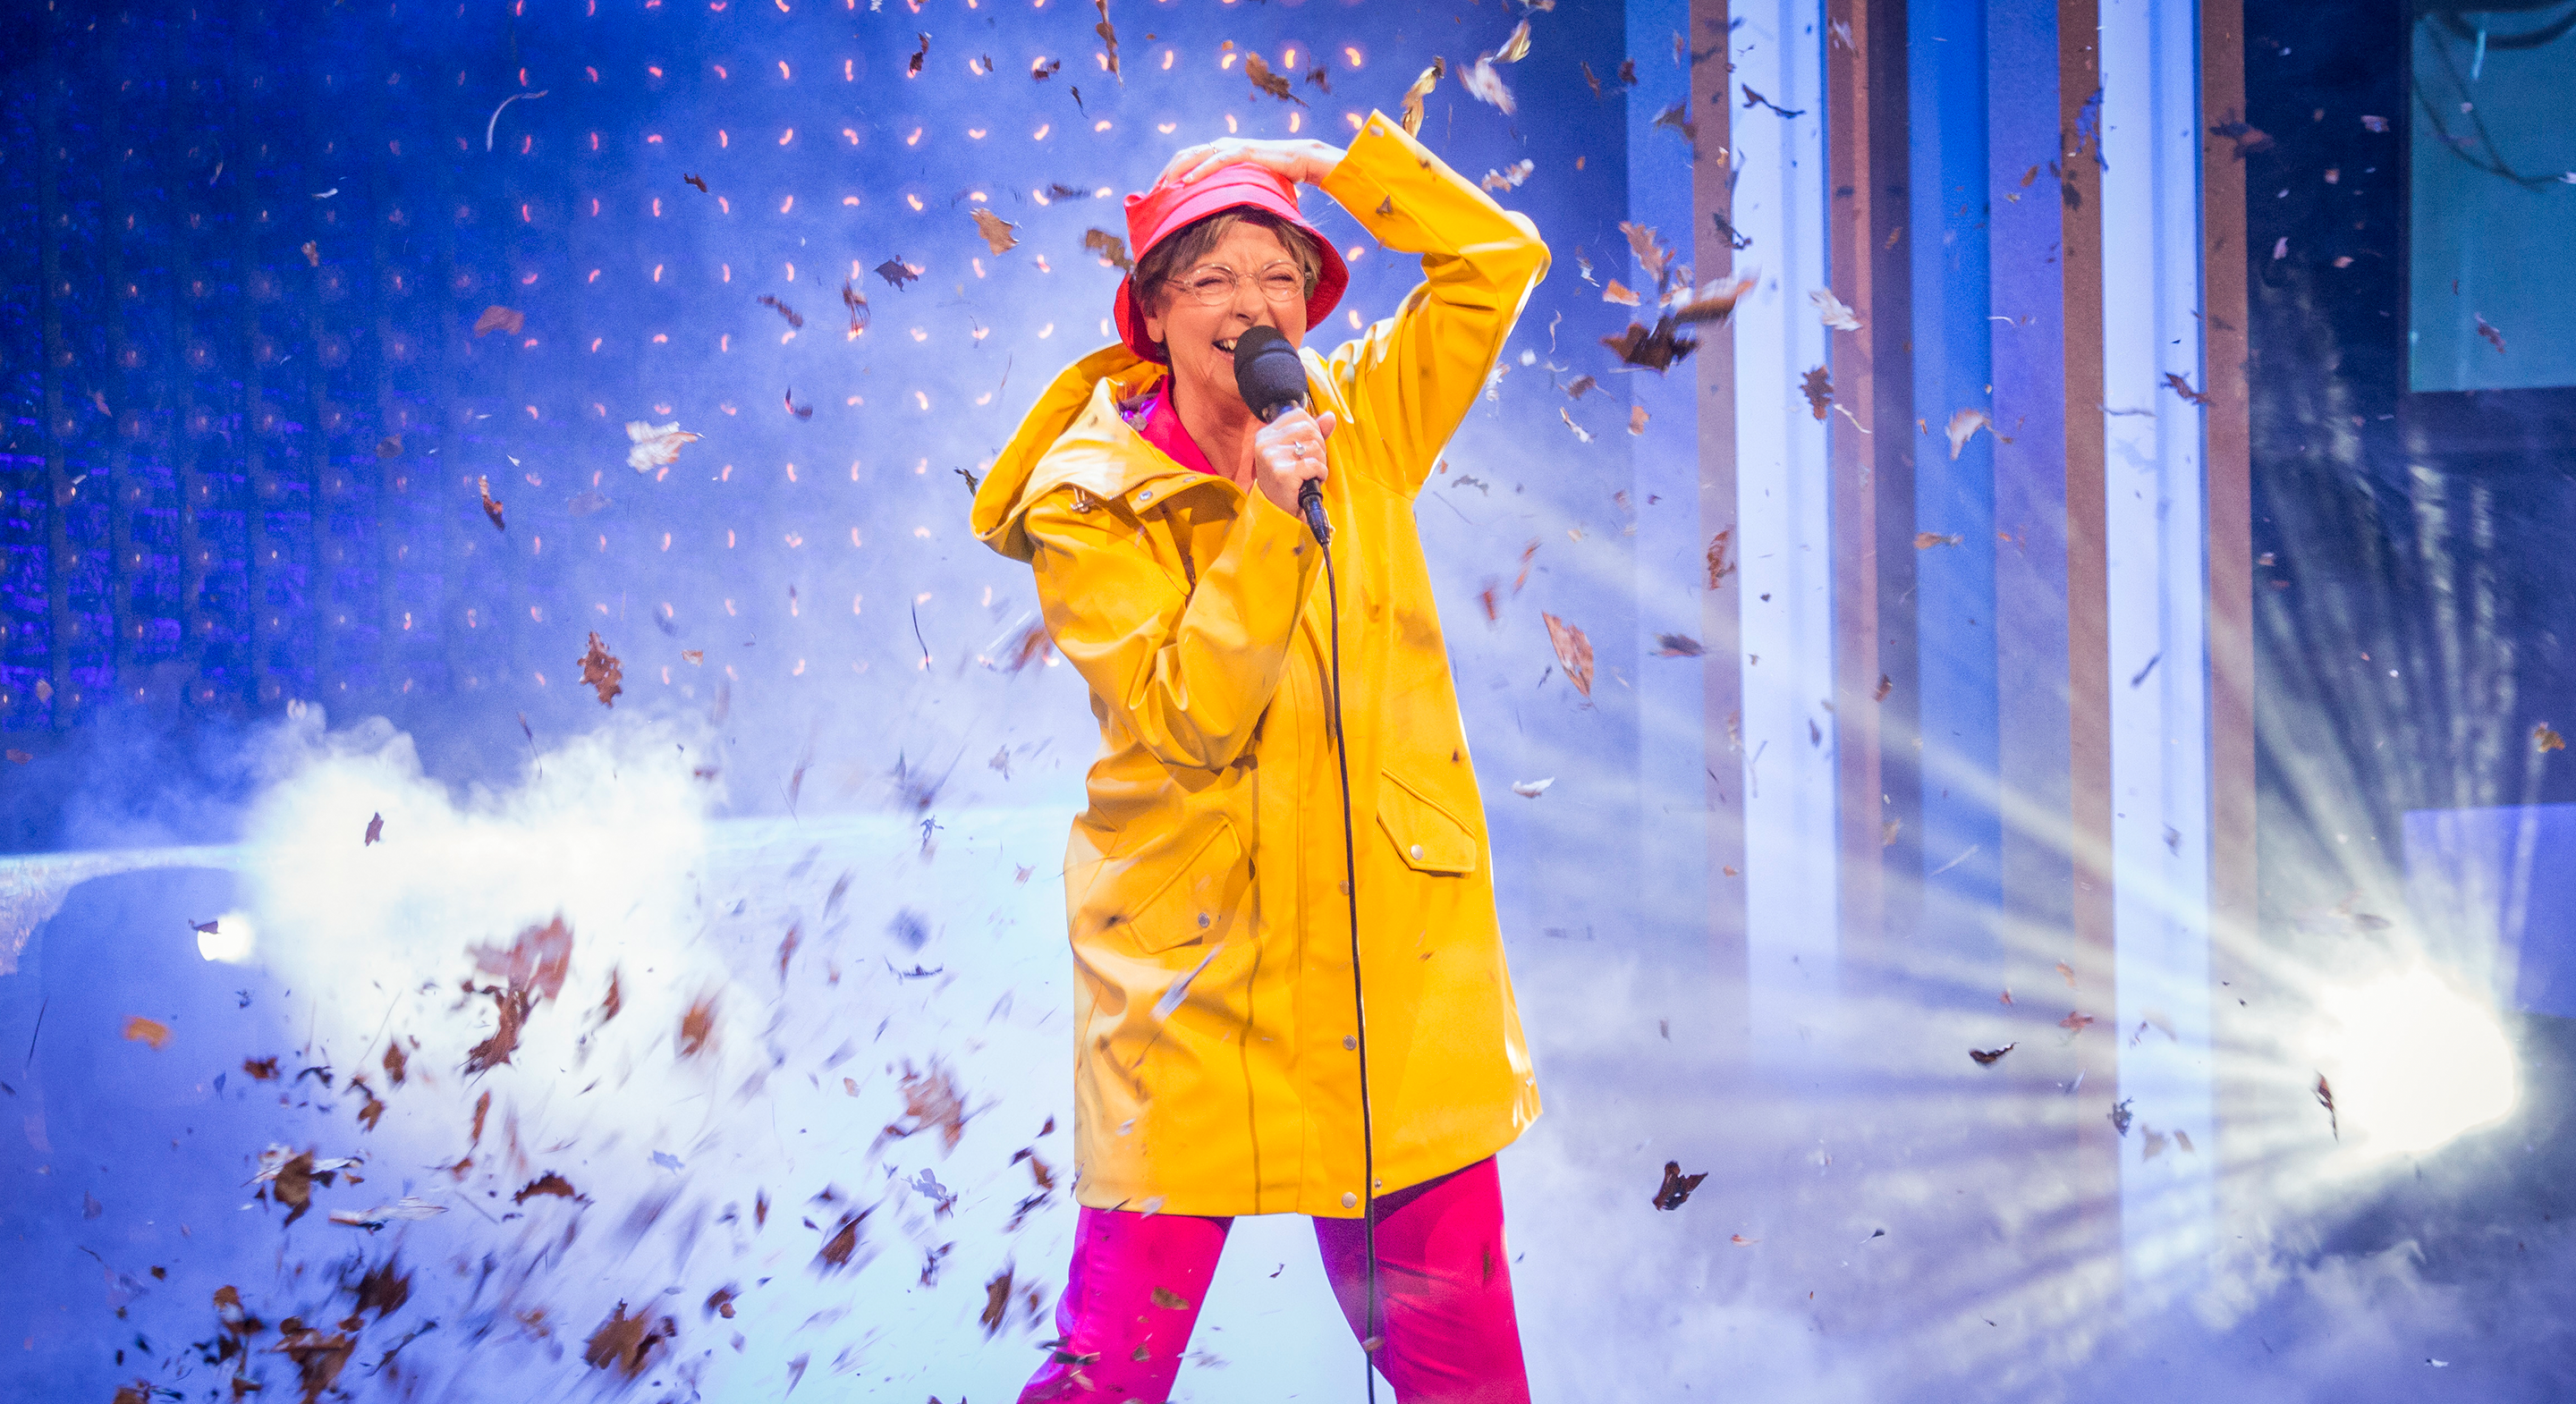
x=482, y=1109
x=997, y=1302
x=1170, y=1300
x=491, y=504
x=1652, y=254
x=384, y=1288
x=1818, y=386
x=536, y=960
x=1719, y=567
x=152, y=1031
x=1031, y=647
x=2545, y=740
x=794, y=318
x=1655, y=350
x=842, y=1244
x=896, y=272
x=1618, y=292
x=1926, y=540
x=390, y=446
x=698, y=1026
x=931, y=1099
x=857, y=302
x=293, y=1186
x=1678, y=646
x=2183, y=388
x=1411, y=108
x=1108, y=35
x=626, y=1342
x=1963, y=426
x=502, y=319
x=375, y=831
x=260, y=1069
x=548, y=1183
x=912, y=66
x=318, y=1358
x=1266, y=81
x=2494, y=337
x=1573, y=652
x=1110, y=247
x=2076, y=1021
x=608, y=1007
x=374, y=1110
x=720, y=1302
x=996, y=230
x=1986, y=1057
x=601, y=671
x=1677, y=1186
x=512, y=1008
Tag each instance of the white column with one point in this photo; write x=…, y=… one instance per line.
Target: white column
x=1782, y=503
x=2158, y=638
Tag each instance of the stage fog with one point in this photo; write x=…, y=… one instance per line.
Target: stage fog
x=2021, y=752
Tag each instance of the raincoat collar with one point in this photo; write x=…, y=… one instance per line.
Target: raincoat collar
x=1104, y=456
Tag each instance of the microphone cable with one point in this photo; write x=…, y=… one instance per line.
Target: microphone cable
x=1370, y=1339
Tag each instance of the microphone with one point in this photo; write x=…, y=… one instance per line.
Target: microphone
x=1272, y=380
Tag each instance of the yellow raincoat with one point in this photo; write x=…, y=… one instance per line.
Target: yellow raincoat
x=1212, y=851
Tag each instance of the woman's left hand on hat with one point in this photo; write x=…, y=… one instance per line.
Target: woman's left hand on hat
x=1302, y=159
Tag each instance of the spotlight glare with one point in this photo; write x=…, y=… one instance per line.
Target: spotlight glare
x=230, y=941
x=2416, y=1063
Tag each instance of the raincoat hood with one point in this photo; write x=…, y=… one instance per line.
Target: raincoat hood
x=1079, y=407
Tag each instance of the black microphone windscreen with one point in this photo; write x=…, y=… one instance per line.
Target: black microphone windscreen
x=1267, y=372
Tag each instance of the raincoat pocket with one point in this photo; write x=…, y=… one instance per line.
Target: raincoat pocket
x=1178, y=889
x=1426, y=835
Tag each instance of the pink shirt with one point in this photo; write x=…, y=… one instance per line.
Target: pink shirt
x=1157, y=423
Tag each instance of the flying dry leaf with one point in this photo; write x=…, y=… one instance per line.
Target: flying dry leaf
x=600, y=671
x=2119, y=1115
x=1719, y=567
x=1581, y=434
x=1410, y=110
x=1031, y=647
x=1963, y=425
x=697, y=1026
x=396, y=1062
x=1111, y=248
x=2494, y=338
x=2068, y=972
x=1532, y=789
x=389, y=447
x=152, y=1031
x=996, y=231
x=1618, y=293
x=1833, y=311
x=699, y=181
x=1516, y=46
x=1987, y=1057
x=548, y=1183
x=535, y=961
x=912, y=66
x=997, y=1302
x=1651, y=253
x=260, y=1069
x=1677, y=1187
x=501, y=319
x=720, y=1301
x=2325, y=1099
x=794, y=318
x=1266, y=81
x=1636, y=419
x=2076, y=1021
x=1573, y=652
x=857, y=302
x=384, y=1288
x=312, y=253
x=406, y=1208
x=1169, y=1300
x=2183, y=388
x=511, y=1007
x=1576, y=387
x=491, y=504
x=1678, y=646
x=1109, y=35
x=625, y=1343
x=895, y=271
x=2544, y=739
x=1714, y=305
x=375, y=831
x=1926, y=540
x=1485, y=84
x=1509, y=177
x=318, y=1358
x=653, y=448
x=1655, y=350
x=931, y=1099
x=1818, y=386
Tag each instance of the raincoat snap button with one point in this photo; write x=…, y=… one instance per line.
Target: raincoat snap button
x=1350, y=1200
x=1349, y=1042
x=1417, y=852
x=1146, y=496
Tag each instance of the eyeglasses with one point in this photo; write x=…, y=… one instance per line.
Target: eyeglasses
x=1214, y=286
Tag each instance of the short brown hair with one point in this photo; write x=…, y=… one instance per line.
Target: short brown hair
x=1195, y=240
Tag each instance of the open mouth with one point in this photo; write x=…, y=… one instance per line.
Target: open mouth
x=1225, y=344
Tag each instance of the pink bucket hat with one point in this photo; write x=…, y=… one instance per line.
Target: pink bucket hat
x=1171, y=206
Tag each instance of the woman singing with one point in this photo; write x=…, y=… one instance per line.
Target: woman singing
x=1219, y=1024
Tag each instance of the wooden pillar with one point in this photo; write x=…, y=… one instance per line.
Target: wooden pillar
x=1895, y=691
x=1721, y=610
x=1851, y=453
x=2229, y=458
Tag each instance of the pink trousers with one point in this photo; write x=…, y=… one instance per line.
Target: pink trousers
x=1444, y=1287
